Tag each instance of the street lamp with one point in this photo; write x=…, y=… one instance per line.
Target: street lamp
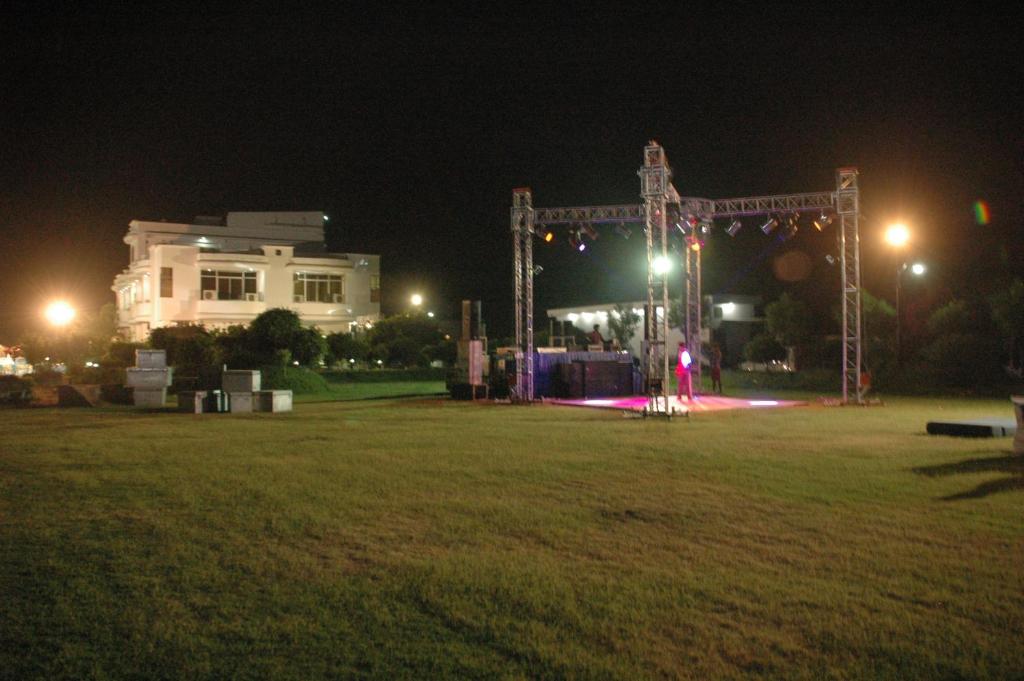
x=59, y=313
x=416, y=300
x=897, y=235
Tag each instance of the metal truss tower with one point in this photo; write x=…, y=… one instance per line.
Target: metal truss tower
x=658, y=192
x=655, y=178
x=848, y=210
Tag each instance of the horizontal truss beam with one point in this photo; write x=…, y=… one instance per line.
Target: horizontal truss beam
x=705, y=208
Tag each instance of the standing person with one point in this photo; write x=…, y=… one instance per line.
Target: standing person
x=716, y=369
x=595, y=336
x=683, y=376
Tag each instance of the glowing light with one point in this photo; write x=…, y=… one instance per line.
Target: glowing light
x=416, y=299
x=897, y=235
x=430, y=314
x=582, y=247
x=695, y=246
x=572, y=316
x=918, y=268
x=763, y=403
x=728, y=308
x=296, y=362
x=982, y=214
x=549, y=237
x=351, y=361
x=59, y=313
x=662, y=265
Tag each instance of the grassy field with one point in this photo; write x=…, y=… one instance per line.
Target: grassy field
x=429, y=539
x=366, y=391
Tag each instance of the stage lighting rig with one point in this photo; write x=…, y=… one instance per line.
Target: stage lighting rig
x=589, y=229
x=823, y=221
x=623, y=231
x=546, y=234
x=734, y=227
x=769, y=226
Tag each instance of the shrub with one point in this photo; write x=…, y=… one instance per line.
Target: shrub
x=299, y=380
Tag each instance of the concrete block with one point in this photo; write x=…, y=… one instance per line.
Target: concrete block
x=148, y=379
x=273, y=400
x=240, y=381
x=151, y=359
x=240, y=403
x=191, y=401
x=150, y=398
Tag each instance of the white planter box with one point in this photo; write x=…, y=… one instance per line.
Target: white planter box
x=274, y=400
x=240, y=381
x=240, y=403
x=148, y=379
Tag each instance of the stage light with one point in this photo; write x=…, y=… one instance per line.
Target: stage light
x=728, y=308
x=416, y=299
x=662, y=264
x=897, y=235
x=582, y=247
x=769, y=226
x=537, y=270
x=546, y=234
x=734, y=227
x=823, y=221
x=830, y=259
x=695, y=246
x=574, y=239
x=624, y=231
x=589, y=229
x=918, y=268
x=430, y=314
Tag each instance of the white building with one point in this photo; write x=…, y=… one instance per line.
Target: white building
x=223, y=272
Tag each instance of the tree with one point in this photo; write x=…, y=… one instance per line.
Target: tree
x=789, y=321
x=763, y=348
x=964, y=350
x=308, y=346
x=273, y=332
x=622, y=322
x=403, y=340
x=343, y=347
x=189, y=347
x=1008, y=315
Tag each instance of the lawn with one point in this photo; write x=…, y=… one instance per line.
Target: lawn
x=422, y=538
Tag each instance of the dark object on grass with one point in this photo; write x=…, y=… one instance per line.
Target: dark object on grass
x=973, y=428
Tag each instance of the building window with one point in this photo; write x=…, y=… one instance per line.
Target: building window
x=228, y=285
x=374, y=288
x=314, y=287
x=166, y=282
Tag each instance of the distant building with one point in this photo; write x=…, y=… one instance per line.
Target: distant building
x=219, y=272
x=729, y=320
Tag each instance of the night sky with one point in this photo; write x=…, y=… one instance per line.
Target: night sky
x=411, y=128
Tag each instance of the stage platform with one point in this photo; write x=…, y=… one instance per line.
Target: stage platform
x=699, y=404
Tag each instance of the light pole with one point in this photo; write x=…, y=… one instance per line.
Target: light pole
x=917, y=269
x=897, y=236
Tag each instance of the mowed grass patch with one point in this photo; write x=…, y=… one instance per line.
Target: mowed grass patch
x=427, y=538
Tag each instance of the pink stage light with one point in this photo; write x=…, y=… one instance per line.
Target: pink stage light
x=763, y=403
